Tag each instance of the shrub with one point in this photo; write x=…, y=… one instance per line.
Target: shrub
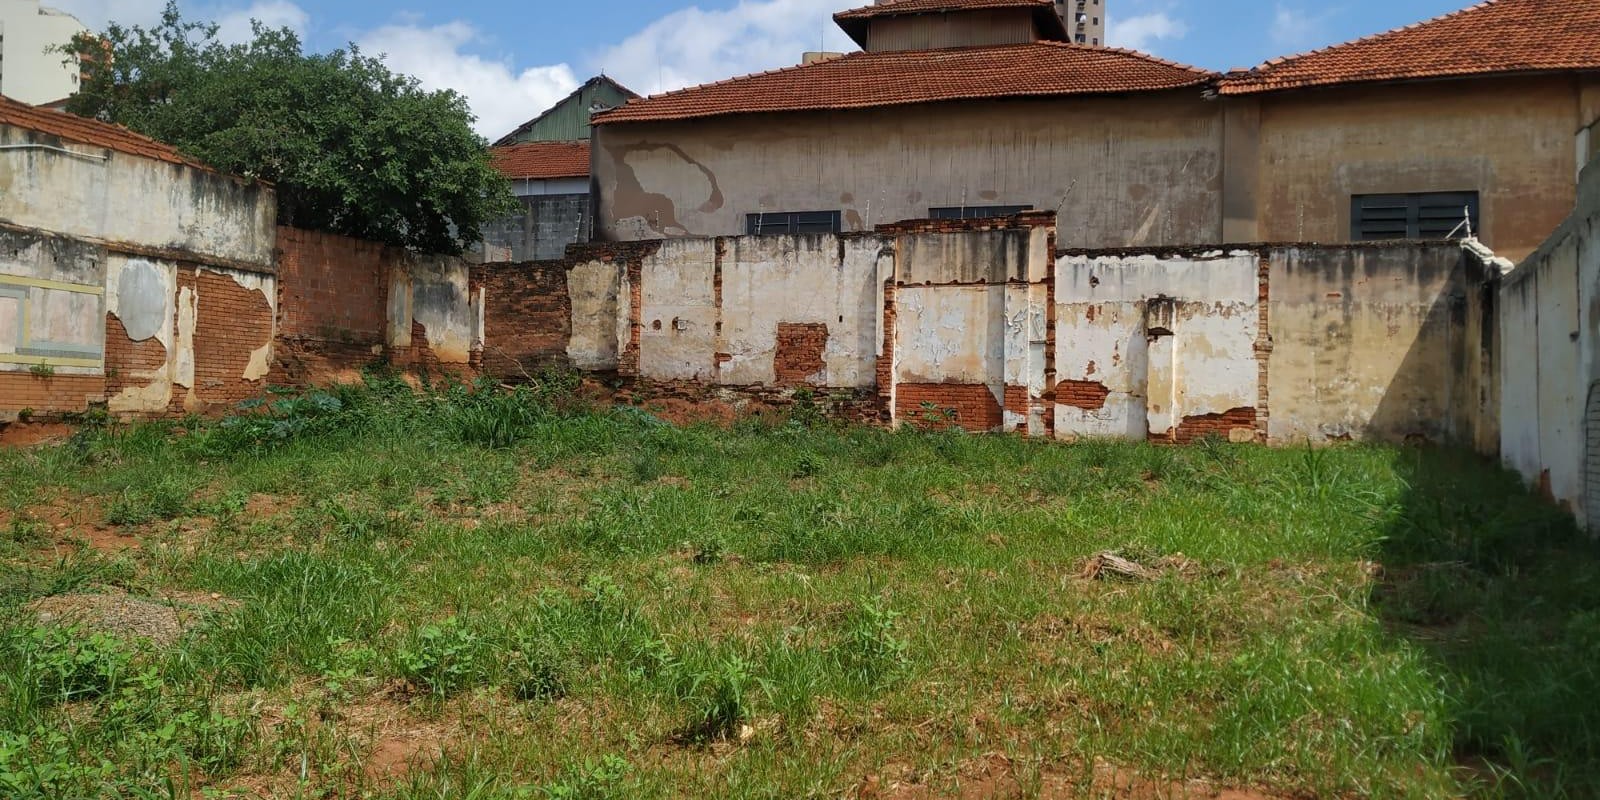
x=444, y=658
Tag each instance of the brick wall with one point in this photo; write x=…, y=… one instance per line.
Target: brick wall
x=1238, y=424
x=967, y=406
x=332, y=288
x=527, y=315
x=129, y=363
x=50, y=395
x=799, y=355
x=232, y=322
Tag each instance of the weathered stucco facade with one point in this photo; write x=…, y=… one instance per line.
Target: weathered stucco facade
x=1131, y=171
x=1510, y=140
x=131, y=277
x=1169, y=168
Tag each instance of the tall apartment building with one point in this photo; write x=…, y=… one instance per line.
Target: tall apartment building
x=1085, y=19
x=29, y=69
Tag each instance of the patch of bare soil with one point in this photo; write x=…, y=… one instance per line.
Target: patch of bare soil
x=33, y=434
x=996, y=777
x=66, y=523
x=122, y=615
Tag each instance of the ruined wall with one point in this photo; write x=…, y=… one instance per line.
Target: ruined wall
x=1159, y=346
x=1365, y=343
x=1138, y=170
x=1550, y=381
x=347, y=304
x=1509, y=139
x=118, y=198
x=741, y=311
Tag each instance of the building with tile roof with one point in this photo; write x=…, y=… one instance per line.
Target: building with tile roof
x=547, y=161
x=1475, y=120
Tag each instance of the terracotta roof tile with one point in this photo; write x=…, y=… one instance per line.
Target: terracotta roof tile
x=1494, y=37
x=542, y=160
x=869, y=80
x=90, y=132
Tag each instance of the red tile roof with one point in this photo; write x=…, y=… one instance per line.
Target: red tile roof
x=1494, y=37
x=855, y=21
x=869, y=80
x=90, y=132
x=542, y=160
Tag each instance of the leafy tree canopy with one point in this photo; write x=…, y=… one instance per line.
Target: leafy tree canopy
x=353, y=147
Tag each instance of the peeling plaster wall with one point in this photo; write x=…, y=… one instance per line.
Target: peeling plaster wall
x=595, y=291
x=1550, y=381
x=1139, y=170
x=718, y=310
x=432, y=296
x=817, y=280
x=115, y=197
x=1104, y=351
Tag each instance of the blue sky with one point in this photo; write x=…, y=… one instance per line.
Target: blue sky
x=512, y=58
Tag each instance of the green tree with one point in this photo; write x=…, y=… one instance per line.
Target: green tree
x=353, y=147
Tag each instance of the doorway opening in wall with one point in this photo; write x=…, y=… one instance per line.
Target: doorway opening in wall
x=1424, y=215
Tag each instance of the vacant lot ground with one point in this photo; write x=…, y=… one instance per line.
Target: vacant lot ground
x=375, y=593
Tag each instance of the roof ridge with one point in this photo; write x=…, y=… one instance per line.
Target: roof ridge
x=1152, y=58
x=1281, y=60
x=724, y=81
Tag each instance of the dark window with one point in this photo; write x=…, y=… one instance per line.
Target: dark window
x=976, y=212
x=1412, y=216
x=780, y=222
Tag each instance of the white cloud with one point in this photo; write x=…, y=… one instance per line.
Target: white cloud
x=693, y=46
x=96, y=13
x=1141, y=32
x=234, y=26
x=501, y=95
x=1294, y=28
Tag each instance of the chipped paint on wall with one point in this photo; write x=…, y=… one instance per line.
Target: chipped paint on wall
x=142, y=295
x=678, y=312
x=267, y=285
x=822, y=280
x=1104, y=340
x=596, y=295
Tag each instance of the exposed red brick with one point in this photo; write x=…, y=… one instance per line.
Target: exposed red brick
x=50, y=395
x=231, y=324
x=126, y=359
x=1087, y=395
x=527, y=316
x=799, y=355
x=941, y=405
x=1219, y=425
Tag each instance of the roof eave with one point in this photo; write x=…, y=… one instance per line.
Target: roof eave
x=1244, y=88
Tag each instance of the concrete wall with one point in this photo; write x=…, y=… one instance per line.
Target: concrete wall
x=120, y=199
x=966, y=29
x=541, y=232
x=1550, y=384
x=1377, y=342
x=1509, y=139
x=1140, y=170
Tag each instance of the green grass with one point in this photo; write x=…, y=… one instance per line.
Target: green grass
x=542, y=599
